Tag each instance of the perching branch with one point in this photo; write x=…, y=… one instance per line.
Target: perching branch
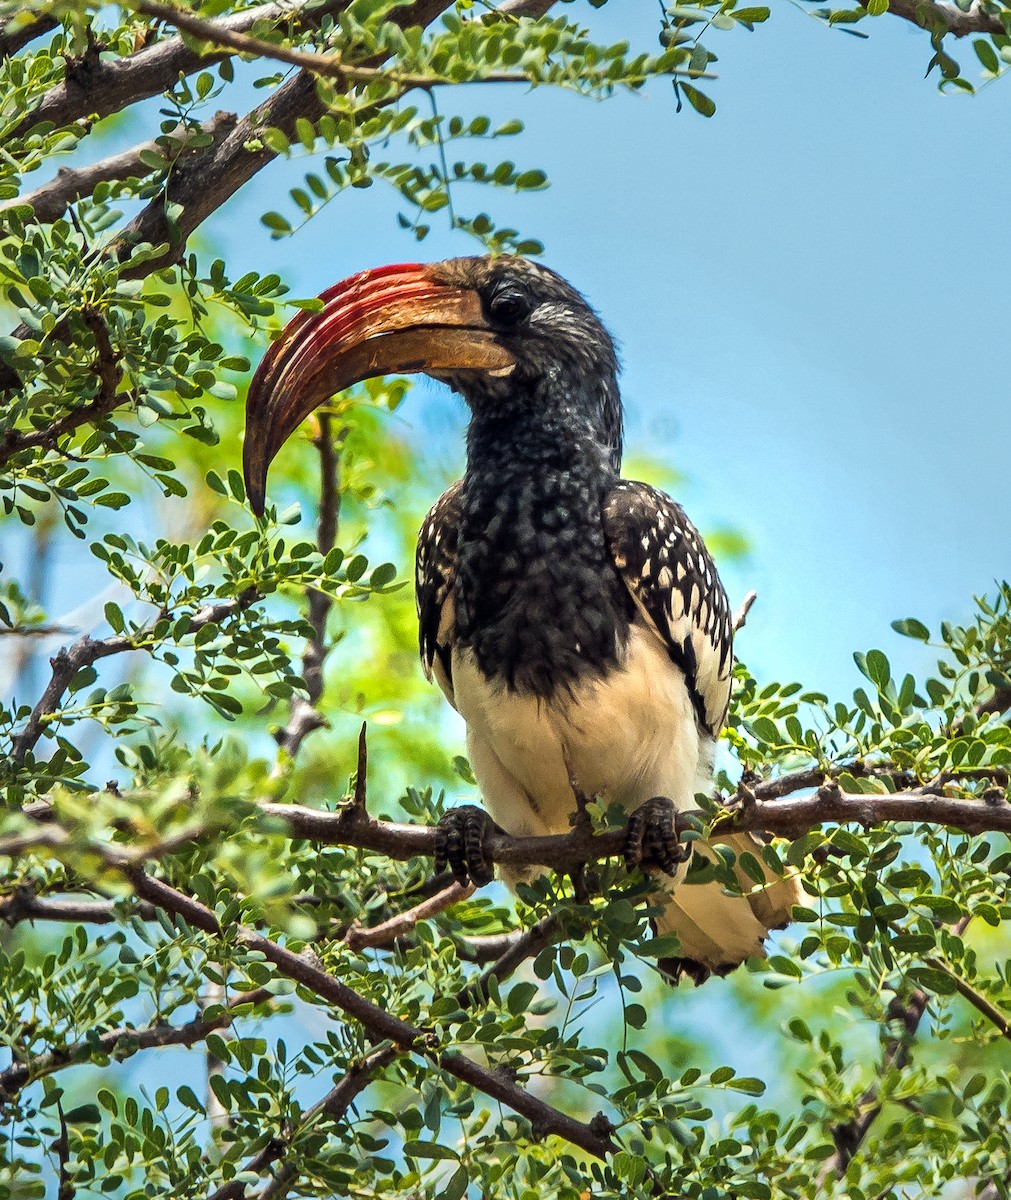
x=594, y=1138
x=122, y=1043
x=787, y=817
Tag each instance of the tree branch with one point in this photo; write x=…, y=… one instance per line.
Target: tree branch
x=208, y=179
x=788, y=818
x=50, y=201
x=931, y=15
x=1000, y=1020
x=122, y=1043
x=95, y=88
x=359, y=937
x=329, y=66
x=17, y=32
x=305, y=716
x=23, y=905
x=106, y=367
x=594, y=1138
x=333, y=1105
x=87, y=651
x=849, y=1135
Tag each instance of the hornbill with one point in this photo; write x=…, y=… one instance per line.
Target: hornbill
x=574, y=618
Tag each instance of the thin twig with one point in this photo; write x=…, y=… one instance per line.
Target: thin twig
x=849, y=1135
x=381, y=1025
x=334, y=1105
x=97, y=88
x=1000, y=1020
x=87, y=650
x=107, y=370
x=528, y=944
x=122, y=1043
x=358, y=937
x=329, y=66
x=304, y=714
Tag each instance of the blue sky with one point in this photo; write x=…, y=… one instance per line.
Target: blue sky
x=809, y=295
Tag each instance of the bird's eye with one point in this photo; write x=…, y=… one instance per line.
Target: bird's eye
x=508, y=307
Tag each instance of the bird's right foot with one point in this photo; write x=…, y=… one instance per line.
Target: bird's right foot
x=653, y=837
x=460, y=839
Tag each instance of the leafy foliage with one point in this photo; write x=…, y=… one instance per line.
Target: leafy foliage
x=202, y=998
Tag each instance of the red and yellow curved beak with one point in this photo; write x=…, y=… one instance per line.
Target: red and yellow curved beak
x=391, y=320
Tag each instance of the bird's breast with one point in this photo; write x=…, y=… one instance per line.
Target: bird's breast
x=537, y=597
x=627, y=736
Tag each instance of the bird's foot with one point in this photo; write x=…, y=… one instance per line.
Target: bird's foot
x=653, y=837
x=460, y=844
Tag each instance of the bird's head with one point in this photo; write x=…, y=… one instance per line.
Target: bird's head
x=510, y=335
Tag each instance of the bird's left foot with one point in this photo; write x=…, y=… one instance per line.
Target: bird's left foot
x=460, y=844
x=653, y=837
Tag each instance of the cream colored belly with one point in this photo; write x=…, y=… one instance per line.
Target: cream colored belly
x=628, y=737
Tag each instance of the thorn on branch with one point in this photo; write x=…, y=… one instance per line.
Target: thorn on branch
x=361, y=775
x=741, y=616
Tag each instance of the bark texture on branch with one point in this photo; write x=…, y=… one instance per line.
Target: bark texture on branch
x=788, y=817
x=95, y=88
x=931, y=15
x=50, y=201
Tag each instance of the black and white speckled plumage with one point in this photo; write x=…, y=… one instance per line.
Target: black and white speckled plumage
x=574, y=618
x=672, y=577
x=546, y=552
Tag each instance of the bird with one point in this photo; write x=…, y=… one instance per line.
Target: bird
x=574, y=618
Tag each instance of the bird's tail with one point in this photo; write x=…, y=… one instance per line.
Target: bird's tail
x=718, y=931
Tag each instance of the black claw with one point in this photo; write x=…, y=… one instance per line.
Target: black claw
x=459, y=844
x=653, y=837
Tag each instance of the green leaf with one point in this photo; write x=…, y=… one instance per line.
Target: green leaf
x=456, y=1186
x=698, y=100
x=932, y=980
x=912, y=628
x=429, y=1150
x=279, y=226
